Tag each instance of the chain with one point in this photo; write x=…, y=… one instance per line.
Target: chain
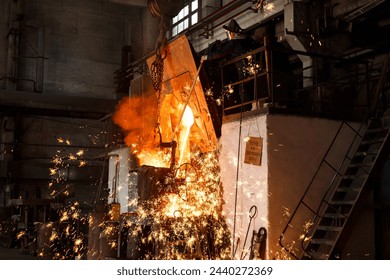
x=157, y=72
x=157, y=75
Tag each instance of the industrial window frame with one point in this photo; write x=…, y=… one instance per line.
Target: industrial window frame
x=187, y=17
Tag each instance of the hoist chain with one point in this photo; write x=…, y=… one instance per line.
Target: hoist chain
x=157, y=75
x=157, y=72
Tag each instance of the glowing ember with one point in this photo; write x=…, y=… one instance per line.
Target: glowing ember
x=179, y=226
x=20, y=234
x=53, y=171
x=53, y=236
x=65, y=235
x=64, y=217
x=184, y=214
x=64, y=240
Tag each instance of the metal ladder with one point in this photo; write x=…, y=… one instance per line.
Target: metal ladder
x=337, y=206
x=363, y=10
x=315, y=226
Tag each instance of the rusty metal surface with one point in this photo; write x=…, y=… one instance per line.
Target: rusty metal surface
x=179, y=73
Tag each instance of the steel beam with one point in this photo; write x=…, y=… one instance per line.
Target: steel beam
x=55, y=105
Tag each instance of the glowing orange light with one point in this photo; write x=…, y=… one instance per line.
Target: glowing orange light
x=187, y=122
x=171, y=206
x=153, y=157
x=20, y=235
x=270, y=6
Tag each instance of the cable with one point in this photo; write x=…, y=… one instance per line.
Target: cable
x=238, y=170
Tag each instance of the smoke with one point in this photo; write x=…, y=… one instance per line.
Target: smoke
x=137, y=116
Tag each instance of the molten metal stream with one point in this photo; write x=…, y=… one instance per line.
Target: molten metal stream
x=187, y=122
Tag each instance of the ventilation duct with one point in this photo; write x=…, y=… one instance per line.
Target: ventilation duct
x=293, y=18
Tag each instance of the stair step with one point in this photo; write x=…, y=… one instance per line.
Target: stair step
x=335, y=216
x=353, y=177
x=373, y=141
x=322, y=242
x=342, y=202
x=360, y=165
x=346, y=189
x=376, y=130
x=329, y=228
x=363, y=154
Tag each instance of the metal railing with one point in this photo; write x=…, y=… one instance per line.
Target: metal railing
x=315, y=213
x=254, y=65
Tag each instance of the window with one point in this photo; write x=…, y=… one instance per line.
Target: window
x=187, y=17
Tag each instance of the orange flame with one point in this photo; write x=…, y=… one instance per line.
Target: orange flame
x=137, y=116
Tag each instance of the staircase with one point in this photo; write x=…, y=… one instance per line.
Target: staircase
x=337, y=207
x=316, y=225
x=363, y=10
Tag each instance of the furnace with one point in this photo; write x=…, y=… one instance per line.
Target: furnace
x=176, y=193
